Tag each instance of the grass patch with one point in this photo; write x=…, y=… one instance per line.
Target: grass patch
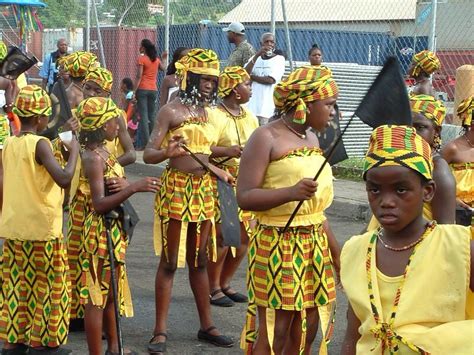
x=349, y=169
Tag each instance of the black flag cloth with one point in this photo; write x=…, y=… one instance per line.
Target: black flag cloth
x=387, y=101
x=15, y=63
x=329, y=137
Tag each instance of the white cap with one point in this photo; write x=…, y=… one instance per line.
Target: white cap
x=235, y=27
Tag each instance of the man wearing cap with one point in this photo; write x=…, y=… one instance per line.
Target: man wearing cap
x=243, y=50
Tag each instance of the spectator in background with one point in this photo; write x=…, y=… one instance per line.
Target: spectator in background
x=243, y=50
x=315, y=55
x=128, y=104
x=266, y=68
x=49, y=70
x=146, y=89
x=170, y=84
x=423, y=65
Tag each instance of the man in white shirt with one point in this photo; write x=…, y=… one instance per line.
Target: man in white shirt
x=266, y=69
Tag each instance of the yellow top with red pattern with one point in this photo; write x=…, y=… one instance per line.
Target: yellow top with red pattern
x=289, y=170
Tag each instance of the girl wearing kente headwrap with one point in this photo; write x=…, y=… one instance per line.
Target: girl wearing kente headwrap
x=34, y=304
x=460, y=156
x=184, y=208
x=98, y=117
x=235, y=89
x=291, y=282
x=77, y=65
x=409, y=283
x=423, y=65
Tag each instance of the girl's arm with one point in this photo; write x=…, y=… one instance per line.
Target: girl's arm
x=333, y=247
x=163, y=61
x=443, y=203
x=253, y=165
x=94, y=170
x=139, y=75
x=44, y=156
x=232, y=151
x=129, y=156
x=164, y=91
x=352, y=333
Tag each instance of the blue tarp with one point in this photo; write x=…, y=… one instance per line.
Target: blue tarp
x=35, y=3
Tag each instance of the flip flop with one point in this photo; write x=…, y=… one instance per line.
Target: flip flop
x=236, y=297
x=159, y=347
x=223, y=301
x=217, y=340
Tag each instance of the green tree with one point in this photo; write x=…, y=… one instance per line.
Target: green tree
x=63, y=13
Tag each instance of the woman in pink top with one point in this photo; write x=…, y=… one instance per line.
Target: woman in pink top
x=146, y=89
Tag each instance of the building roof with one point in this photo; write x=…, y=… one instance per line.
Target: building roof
x=259, y=11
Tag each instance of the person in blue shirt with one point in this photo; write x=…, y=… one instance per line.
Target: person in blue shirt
x=49, y=71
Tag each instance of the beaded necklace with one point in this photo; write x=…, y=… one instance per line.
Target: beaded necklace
x=383, y=332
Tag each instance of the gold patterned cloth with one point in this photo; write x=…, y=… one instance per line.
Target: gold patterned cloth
x=197, y=61
x=230, y=78
x=32, y=101
x=465, y=111
x=93, y=112
x=425, y=61
x=429, y=107
x=78, y=63
x=101, y=76
x=391, y=145
x=306, y=84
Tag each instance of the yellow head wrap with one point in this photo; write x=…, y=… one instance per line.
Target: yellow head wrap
x=429, y=107
x=465, y=111
x=426, y=61
x=93, y=112
x=3, y=50
x=78, y=63
x=101, y=77
x=32, y=101
x=305, y=84
x=399, y=146
x=230, y=78
x=197, y=61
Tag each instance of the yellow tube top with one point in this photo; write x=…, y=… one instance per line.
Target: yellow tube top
x=287, y=171
x=464, y=175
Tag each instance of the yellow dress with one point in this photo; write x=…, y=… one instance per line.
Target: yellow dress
x=184, y=196
x=464, y=175
x=292, y=271
x=439, y=324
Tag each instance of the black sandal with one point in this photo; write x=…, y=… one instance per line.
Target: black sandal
x=217, y=340
x=236, y=297
x=160, y=347
x=223, y=301
x=19, y=349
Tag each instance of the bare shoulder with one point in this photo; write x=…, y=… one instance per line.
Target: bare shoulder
x=450, y=150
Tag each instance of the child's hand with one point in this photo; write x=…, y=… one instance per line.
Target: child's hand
x=73, y=145
x=148, y=184
x=174, y=148
x=224, y=175
x=304, y=190
x=72, y=124
x=116, y=184
x=234, y=151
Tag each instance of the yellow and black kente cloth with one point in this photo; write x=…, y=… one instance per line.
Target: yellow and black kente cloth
x=465, y=111
x=3, y=50
x=306, y=84
x=292, y=271
x=101, y=76
x=184, y=196
x=425, y=61
x=77, y=64
x=429, y=107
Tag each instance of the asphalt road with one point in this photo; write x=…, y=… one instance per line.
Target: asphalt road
x=183, y=320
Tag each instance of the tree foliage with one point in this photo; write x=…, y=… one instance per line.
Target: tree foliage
x=63, y=13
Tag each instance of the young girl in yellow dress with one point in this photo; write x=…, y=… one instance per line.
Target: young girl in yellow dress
x=409, y=282
x=291, y=282
x=184, y=208
x=460, y=155
x=235, y=89
x=98, y=117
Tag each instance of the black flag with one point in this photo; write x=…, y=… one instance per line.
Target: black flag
x=15, y=63
x=387, y=101
x=329, y=137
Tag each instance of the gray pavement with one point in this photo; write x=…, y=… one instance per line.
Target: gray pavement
x=183, y=320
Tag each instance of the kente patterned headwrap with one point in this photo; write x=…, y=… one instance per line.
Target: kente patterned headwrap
x=93, y=112
x=3, y=50
x=426, y=61
x=32, y=101
x=305, y=84
x=230, y=78
x=465, y=111
x=399, y=146
x=77, y=63
x=101, y=77
x=197, y=61
x=429, y=107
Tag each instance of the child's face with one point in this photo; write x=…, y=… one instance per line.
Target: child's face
x=396, y=195
x=245, y=91
x=111, y=129
x=320, y=113
x=42, y=123
x=425, y=127
x=91, y=89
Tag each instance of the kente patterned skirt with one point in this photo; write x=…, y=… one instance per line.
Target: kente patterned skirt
x=187, y=198
x=291, y=272
x=35, y=297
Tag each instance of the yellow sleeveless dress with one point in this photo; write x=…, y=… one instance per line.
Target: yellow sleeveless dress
x=464, y=175
x=442, y=323
x=292, y=271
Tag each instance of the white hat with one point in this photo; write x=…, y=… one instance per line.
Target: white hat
x=235, y=27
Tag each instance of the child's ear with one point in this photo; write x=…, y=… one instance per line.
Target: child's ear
x=429, y=189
